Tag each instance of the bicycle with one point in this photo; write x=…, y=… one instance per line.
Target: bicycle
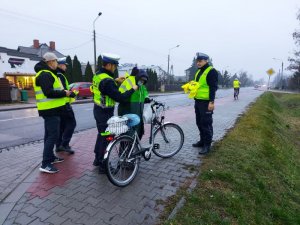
x=124, y=151
x=236, y=93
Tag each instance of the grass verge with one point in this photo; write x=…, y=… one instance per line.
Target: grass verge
x=253, y=174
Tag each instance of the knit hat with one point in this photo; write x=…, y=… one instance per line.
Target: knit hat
x=49, y=56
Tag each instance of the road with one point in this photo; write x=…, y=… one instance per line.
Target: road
x=24, y=126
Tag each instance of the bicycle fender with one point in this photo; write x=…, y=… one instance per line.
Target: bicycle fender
x=107, y=150
x=162, y=125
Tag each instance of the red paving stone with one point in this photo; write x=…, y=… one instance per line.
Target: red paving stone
x=75, y=165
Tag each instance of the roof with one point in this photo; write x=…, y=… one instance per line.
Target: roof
x=43, y=48
x=13, y=52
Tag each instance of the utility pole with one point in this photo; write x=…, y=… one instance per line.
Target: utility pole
x=94, y=34
x=282, y=74
x=169, y=59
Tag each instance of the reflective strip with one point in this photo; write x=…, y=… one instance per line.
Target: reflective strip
x=44, y=100
x=130, y=83
x=41, y=92
x=123, y=87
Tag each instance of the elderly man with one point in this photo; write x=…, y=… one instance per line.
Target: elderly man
x=106, y=93
x=67, y=120
x=51, y=104
x=207, y=77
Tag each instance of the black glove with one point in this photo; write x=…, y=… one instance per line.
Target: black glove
x=147, y=100
x=72, y=95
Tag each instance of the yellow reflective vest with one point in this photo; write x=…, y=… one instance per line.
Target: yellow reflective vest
x=139, y=95
x=68, y=99
x=101, y=100
x=236, y=84
x=203, y=89
x=44, y=103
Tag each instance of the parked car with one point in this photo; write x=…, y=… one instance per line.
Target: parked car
x=83, y=88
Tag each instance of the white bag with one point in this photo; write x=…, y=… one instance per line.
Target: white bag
x=147, y=114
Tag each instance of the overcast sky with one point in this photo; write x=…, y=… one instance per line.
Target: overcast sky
x=236, y=34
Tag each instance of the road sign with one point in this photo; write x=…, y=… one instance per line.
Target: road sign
x=270, y=72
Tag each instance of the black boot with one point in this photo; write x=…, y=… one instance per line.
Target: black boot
x=204, y=150
x=198, y=144
x=96, y=162
x=102, y=168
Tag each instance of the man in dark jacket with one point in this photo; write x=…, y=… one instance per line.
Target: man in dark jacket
x=106, y=93
x=67, y=120
x=51, y=104
x=207, y=77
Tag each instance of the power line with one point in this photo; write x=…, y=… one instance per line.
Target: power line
x=76, y=29
x=78, y=46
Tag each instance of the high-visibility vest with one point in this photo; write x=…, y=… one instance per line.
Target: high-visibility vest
x=137, y=96
x=101, y=100
x=44, y=103
x=68, y=99
x=203, y=90
x=236, y=84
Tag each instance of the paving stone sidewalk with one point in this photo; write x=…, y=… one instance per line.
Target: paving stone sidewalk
x=79, y=195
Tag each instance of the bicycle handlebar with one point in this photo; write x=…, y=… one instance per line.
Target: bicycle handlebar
x=156, y=103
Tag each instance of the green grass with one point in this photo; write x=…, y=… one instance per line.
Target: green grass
x=253, y=174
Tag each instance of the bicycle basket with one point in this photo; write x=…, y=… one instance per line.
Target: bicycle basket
x=117, y=125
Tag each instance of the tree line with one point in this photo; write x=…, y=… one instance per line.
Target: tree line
x=293, y=81
x=74, y=73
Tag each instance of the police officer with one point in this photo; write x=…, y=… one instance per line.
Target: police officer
x=51, y=104
x=67, y=120
x=106, y=93
x=207, y=77
x=136, y=101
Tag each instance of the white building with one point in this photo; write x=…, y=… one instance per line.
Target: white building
x=18, y=65
x=127, y=67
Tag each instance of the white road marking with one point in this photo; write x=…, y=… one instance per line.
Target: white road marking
x=18, y=118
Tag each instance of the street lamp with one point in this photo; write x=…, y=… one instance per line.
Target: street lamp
x=281, y=70
x=169, y=58
x=99, y=14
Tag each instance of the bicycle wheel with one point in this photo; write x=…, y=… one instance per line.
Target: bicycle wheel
x=121, y=170
x=168, y=140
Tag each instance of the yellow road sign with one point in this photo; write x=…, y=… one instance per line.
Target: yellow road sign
x=270, y=72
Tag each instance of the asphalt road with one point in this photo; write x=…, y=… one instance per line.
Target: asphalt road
x=24, y=126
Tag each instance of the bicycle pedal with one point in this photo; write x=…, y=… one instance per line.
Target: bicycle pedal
x=156, y=146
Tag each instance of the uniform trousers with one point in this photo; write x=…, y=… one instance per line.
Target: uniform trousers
x=204, y=121
x=101, y=116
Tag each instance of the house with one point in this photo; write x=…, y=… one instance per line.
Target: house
x=40, y=49
x=18, y=65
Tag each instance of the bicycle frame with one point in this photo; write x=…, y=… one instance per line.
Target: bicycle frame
x=156, y=123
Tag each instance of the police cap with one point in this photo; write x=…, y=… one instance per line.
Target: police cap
x=110, y=58
x=202, y=56
x=62, y=61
